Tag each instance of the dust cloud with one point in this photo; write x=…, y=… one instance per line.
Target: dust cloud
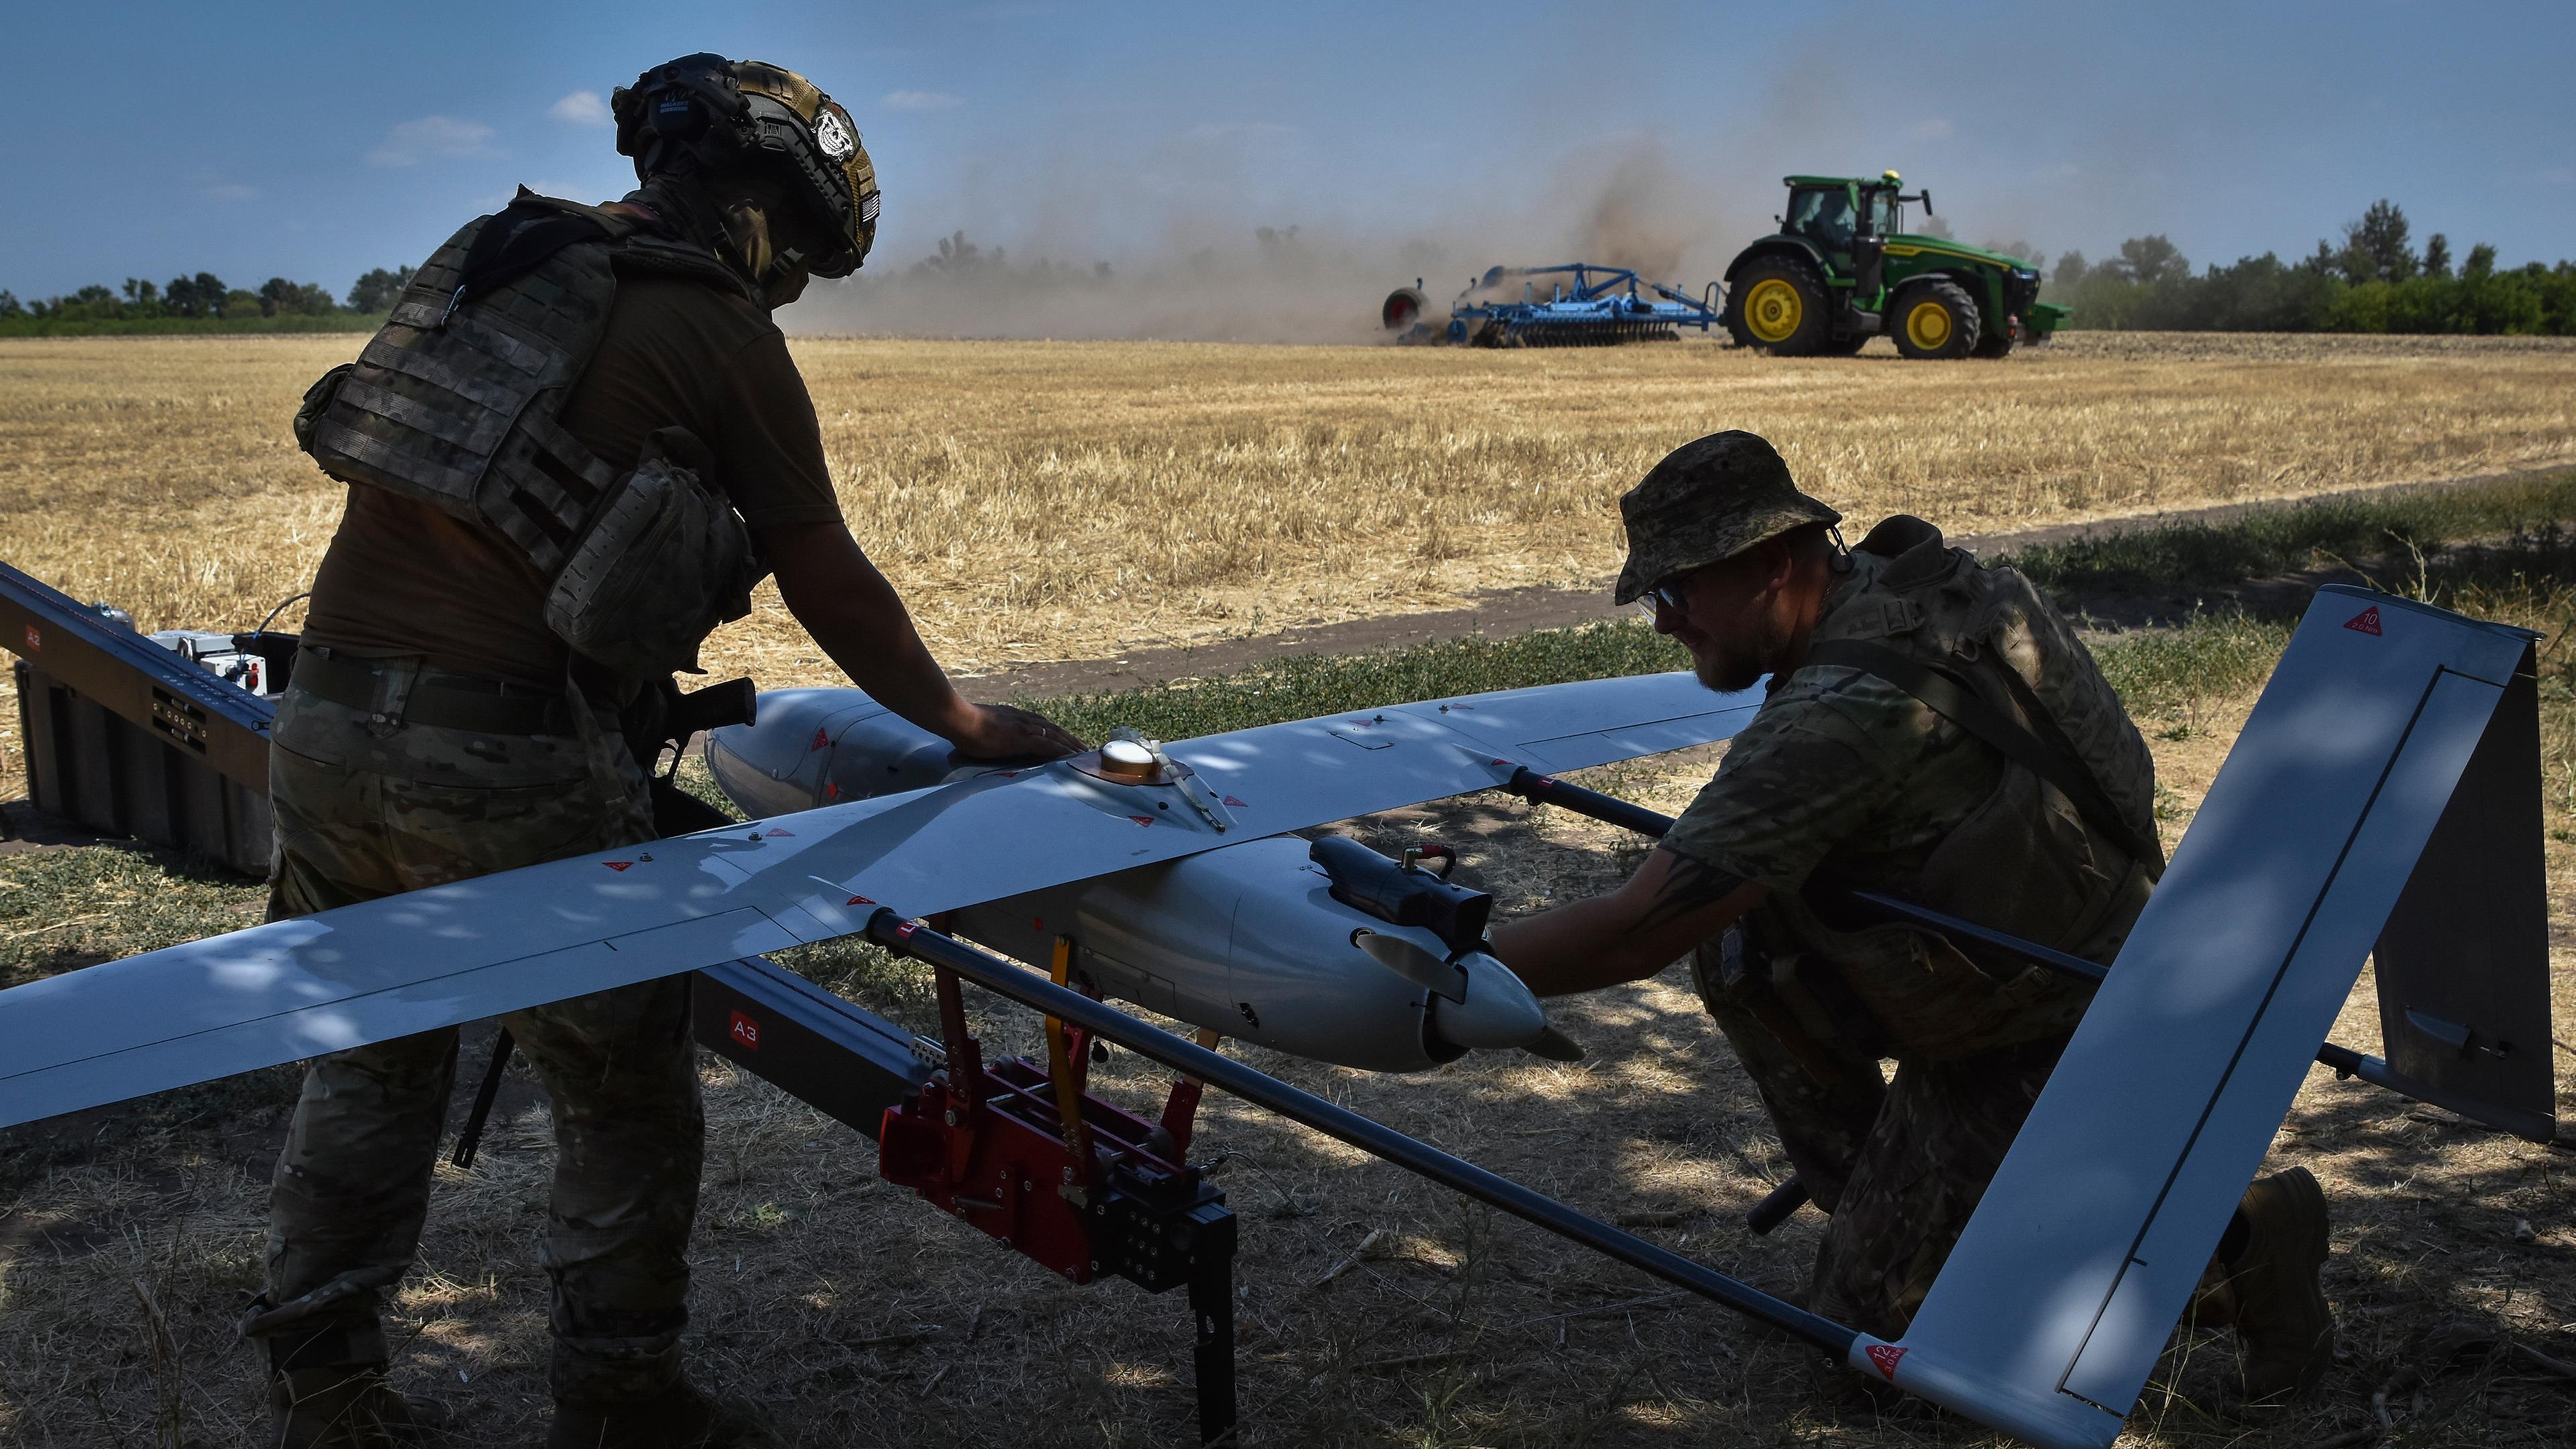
x=1244, y=278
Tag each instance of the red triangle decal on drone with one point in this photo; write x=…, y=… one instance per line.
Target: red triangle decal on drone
x=2365, y=622
x=822, y=741
x=1885, y=1356
x=617, y=864
x=1237, y=804
x=782, y=832
x=861, y=901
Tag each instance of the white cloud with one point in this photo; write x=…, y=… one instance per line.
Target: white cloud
x=430, y=138
x=1935, y=129
x=922, y=101
x=581, y=108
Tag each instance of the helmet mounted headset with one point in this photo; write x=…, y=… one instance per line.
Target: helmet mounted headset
x=706, y=117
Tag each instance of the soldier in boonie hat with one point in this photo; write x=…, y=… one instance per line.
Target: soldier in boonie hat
x=1934, y=731
x=1709, y=500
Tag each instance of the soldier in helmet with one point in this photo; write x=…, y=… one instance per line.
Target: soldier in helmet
x=1935, y=731
x=572, y=450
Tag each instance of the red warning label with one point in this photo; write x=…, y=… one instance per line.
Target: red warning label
x=745, y=1030
x=2365, y=622
x=1885, y=1356
x=822, y=741
x=1237, y=804
x=1142, y=819
x=35, y=639
x=617, y=864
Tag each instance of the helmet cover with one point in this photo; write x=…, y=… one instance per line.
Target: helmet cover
x=705, y=112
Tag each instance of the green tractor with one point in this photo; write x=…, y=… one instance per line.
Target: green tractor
x=1842, y=269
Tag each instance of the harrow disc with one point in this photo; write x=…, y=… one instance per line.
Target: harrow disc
x=1591, y=333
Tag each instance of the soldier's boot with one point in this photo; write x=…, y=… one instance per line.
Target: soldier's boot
x=350, y=1406
x=2282, y=1324
x=677, y=1418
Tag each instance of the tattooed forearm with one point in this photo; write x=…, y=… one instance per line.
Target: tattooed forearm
x=1688, y=886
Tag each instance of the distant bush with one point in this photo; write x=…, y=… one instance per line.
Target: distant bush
x=204, y=303
x=23, y=325
x=2373, y=282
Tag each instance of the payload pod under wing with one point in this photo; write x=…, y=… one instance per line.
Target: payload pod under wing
x=1248, y=940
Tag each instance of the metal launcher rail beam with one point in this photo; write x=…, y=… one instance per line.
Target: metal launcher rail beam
x=125, y=737
x=157, y=691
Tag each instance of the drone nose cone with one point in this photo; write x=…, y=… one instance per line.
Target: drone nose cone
x=1498, y=1011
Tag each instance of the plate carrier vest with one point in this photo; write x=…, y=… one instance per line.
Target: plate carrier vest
x=2030, y=860
x=453, y=404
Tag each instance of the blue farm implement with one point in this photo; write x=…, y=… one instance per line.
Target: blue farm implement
x=1574, y=305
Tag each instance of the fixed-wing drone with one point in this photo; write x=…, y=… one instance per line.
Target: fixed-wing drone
x=2383, y=791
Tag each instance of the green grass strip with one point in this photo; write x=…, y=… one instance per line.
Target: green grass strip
x=1304, y=686
x=2295, y=536
x=2156, y=672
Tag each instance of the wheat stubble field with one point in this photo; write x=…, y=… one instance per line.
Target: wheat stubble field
x=1068, y=500
x=1054, y=501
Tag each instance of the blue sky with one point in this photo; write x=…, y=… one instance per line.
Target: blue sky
x=317, y=141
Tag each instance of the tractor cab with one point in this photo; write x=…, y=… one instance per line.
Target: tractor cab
x=1834, y=211
x=1843, y=269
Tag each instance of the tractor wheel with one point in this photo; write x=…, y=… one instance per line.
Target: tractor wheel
x=1778, y=305
x=1933, y=319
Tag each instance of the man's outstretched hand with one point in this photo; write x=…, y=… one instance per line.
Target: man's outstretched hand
x=1006, y=734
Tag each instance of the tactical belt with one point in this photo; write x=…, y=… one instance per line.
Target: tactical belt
x=1948, y=698
x=435, y=697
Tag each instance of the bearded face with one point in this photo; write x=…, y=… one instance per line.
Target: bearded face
x=1737, y=619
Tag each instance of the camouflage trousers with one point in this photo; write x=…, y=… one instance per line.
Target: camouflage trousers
x=1899, y=1162
x=365, y=811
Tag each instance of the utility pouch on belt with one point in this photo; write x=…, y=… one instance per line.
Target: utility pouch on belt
x=453, y=403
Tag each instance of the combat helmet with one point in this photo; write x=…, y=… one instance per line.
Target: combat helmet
x=707, y=115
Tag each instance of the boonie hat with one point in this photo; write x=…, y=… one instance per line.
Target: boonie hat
x=1709, y=499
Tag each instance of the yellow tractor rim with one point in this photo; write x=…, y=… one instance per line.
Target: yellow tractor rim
x=1928, y=325
x=1773, y=310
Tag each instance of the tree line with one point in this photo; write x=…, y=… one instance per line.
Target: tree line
x=207, y=296
x=2374, y=280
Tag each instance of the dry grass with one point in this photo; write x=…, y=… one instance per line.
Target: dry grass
x=1040, y=501
x=1068, y=500
x=1052, y=480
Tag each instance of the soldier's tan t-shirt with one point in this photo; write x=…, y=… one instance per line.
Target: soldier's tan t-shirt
x=403, y=578
x=1839, y=772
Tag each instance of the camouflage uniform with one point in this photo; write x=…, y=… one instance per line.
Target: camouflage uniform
x=368, y=809
x=1845, y=781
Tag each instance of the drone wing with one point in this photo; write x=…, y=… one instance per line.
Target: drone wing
x=431, y=958
x=2061, y=1294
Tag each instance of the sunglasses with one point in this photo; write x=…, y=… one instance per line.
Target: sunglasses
x=1670, y=596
